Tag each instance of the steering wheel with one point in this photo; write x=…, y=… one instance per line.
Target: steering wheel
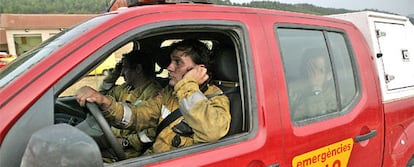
x=106, y=129
x=68, y=111
x=65, y=106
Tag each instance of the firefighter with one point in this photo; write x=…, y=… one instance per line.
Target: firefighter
x=202, y=109
x=137, y=68
x=318, y=96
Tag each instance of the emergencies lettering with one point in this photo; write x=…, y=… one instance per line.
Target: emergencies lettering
x=324, y=155
x=329, y=155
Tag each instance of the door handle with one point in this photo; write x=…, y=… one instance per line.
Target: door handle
x=367, y=136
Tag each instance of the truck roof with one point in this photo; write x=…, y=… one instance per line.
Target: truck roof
x=181, y=7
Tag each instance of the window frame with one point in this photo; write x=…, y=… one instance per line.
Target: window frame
x=343, y=110
x=235, y=30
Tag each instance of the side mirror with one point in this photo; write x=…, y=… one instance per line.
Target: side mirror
x=61, y=145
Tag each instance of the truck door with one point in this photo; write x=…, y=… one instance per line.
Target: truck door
x=396, y=60
x=332, y=116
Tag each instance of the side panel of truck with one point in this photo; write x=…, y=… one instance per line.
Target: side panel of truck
x=390, y=38
x=333, y=138
x=396, y=59
x=399, y=144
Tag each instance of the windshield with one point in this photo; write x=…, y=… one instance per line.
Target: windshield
x=26, y=61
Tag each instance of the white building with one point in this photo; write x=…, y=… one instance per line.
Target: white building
x=21, y=32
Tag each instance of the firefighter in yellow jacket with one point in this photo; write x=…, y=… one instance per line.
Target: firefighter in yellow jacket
x=203, y=109
x=137, y=68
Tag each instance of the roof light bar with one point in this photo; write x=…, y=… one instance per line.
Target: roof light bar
x=115, y=4
x=187, y=1
x=151, y=2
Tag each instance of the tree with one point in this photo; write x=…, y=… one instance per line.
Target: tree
x=52, y=6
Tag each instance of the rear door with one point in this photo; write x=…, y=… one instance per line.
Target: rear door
x=330, y=111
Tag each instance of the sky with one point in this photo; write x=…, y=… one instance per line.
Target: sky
x=402, y=7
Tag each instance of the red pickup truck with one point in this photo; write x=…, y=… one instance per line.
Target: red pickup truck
x=362, y=114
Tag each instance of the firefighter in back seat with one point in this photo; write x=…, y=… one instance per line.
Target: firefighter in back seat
x=318, y=96
x=203, y=110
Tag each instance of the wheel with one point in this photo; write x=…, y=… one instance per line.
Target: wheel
x=67, y=110
x=106, y=129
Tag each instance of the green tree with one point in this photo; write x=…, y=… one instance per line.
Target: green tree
x=53, y=6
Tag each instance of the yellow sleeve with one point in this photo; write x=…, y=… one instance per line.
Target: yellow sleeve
x=128, y=116
x=209, y=118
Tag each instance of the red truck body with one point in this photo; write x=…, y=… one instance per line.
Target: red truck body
x=365, y=131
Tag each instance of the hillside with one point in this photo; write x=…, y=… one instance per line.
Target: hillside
x=98, y=6
x=301, y=8
x=53, y=6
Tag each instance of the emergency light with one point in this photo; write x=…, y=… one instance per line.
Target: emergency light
x=115, y=4
x=149, y=2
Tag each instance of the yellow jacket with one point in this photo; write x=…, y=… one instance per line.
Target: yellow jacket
x=124, y=93
x=208, y=117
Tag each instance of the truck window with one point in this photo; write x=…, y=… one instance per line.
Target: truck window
x=344, y=69
x=319, y=74
x=96, y=75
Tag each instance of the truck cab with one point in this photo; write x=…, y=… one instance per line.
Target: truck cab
x=261, y=59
